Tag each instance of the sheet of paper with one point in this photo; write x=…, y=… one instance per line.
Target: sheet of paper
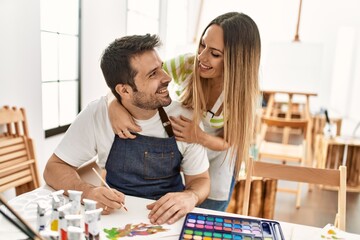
x=331, y=232
x=136, y=221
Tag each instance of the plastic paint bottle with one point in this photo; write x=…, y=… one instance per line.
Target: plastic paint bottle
x=41, y=219
x=56, y=203
x=63, y=211
x=49, y=235
x=89, y=204
x=92, y=220
x=73, y=220
x=75, y=233
x=75, y=200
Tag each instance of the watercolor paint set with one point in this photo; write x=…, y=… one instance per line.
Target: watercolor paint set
x=200, y=226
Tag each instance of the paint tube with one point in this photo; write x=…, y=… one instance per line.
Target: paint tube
x=75, y=200
x=60, y=195
x=63, y=211
x=41, y=218
x=89, y=204
x=56, y=203
x=49, y=235
x=92, y=220
x=73, y=220
x=75, y=233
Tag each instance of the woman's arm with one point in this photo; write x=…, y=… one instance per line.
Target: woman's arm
x=180, y=67
x=185, y=130
x=121, y=120
x=214, y=143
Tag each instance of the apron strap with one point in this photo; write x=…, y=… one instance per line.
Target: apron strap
x=217, y=105
x=165, y=122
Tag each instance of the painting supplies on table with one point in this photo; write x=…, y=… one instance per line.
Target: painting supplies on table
x=73, y=220
x=106, y=185
x=214, y=227
x=14, y=218
x=60, y=195
x=49, y=235
x=89, y=204
x=70, y=221
x=41, y=218
x=92, y=224
x=56, y=203
x=75, y=233
x=75, y=200
x=63, y=211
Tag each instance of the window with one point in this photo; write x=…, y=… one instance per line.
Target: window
x=166, y=18
x=60, y=63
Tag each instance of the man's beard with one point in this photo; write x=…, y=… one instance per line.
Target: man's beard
x=152, y=102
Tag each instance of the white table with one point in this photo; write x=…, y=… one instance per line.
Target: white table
x=137, y=213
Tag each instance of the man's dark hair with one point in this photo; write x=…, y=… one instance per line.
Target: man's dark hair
x=115, y=61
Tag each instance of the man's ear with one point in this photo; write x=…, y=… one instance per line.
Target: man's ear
x=123, y=90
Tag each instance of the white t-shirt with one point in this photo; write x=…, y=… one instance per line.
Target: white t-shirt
x=91, y=135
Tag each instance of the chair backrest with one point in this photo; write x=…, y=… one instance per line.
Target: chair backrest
x=13, y=122
x=329, y=177
x=301, y=124
x=18, y=166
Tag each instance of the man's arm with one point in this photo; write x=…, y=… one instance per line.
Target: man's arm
x=60, y=175
x=173, y=206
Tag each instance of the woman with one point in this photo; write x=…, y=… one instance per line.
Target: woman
x=221, y=84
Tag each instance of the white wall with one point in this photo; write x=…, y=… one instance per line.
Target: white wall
x=20, y=73
x=20, y=59
x=104, y=20
x=322, y=21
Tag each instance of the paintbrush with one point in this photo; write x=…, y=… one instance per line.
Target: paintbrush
x=106, y=185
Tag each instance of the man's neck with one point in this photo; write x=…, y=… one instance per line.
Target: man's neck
x=139, y=113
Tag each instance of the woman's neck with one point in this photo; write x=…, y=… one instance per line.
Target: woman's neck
x=216, y=83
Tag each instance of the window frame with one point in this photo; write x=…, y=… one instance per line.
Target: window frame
x=63, y=128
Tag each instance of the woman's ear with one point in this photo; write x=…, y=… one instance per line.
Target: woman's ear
x=123, y=90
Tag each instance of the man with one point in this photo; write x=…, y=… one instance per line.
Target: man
x=147, y=166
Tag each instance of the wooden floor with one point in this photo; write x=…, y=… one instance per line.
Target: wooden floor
x=318, y=207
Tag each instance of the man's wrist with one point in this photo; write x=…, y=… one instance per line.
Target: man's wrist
x=194, y=195
x=87, y=189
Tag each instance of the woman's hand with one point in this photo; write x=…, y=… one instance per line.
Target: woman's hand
x=121, y=120
x=185, y=130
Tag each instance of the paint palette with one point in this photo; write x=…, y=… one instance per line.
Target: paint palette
x=200, y=226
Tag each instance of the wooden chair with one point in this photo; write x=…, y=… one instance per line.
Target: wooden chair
x=18, y=166
x=328, y=177
x=284, y=151
x=292, y=109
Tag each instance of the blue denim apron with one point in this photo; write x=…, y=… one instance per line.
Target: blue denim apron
x=146, y=167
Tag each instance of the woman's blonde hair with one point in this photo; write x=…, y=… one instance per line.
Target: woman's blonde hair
x=242, y=48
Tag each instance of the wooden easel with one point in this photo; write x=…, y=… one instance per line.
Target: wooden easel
x=294, y=110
